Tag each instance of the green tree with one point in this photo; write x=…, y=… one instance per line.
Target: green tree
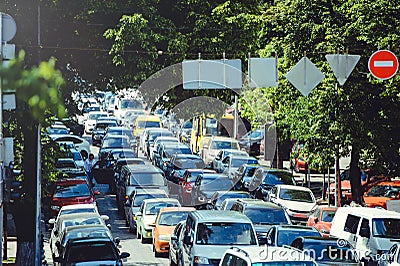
x=37, y=93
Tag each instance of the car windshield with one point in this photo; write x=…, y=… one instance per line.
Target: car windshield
x=95, y=116
x=216, y=184
x=237, y=162
x=65, y=164
x=124, y=132
x=105, y=125
x=140, y=198
x=286, y=237
x=81, y=221
x=232, y=195
x=154, y=135
x=296, y=195
x=189, y=163
x=145, y=124
x=60, y=131
x=276, y=178
x=84, y=252
x=254, y=134
x=152, y=208
x=387, y=191
x=284, y=263
x=72, y=211
x=171, y=151
x=266, y=216
x=219, y=145
x=333, y=252
x=147, y=179
x=386, y=227
x=115, y=143
x=225, y=234
x=327, y=216
x=72, y=191
x=172, y=218
x=132, y=104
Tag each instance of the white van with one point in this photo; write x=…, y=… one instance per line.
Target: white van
x=371, y=231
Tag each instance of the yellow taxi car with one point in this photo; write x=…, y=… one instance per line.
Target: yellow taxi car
x=165, y=223
x=145, y=121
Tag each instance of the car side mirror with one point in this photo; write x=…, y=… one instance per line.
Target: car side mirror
x=124, y=255
x=152, y=225
x=96, y=192
x=263, y=241
x=117, y=240
x=174, y=237
x=109, y=226
x=104, y=217
x=58, y=244
x=316, y=220
x=138, y=214
x=52, y=221
x=269, y=241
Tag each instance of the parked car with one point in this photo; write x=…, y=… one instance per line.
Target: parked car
x=205, y=186
x=147, y=215
x=251, y=141
x=299, y=202
x=371, y=231
x=67, y=220
x=207, y=234
x=70, y=191
x=97, y=249
x=321, y=219
x=134, y=201
x=187, y=182
x=265, y=178
x=328, y=251
x=211, y=149
x=377, y=196
x=262, y=214
x=274, y=256
x=283, y=235
x=217, y=161
x=164, y=225
x=79, y=143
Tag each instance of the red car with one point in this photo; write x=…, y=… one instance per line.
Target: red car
x=377, y=196
x=321, y=219
x=186, y=184
x=68, y=192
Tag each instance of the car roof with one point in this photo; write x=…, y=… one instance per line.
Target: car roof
x=79, y=206
x=368, y=212
x=175, y=209
x=191, y=156
x=213, y=175
x=319, y=240
x=291, y=227
x=140, y=168
x=219, y=138
x=160, y=200
x=148, y=118
x=219, y=216
x=292, y=187
x=72, y=216
x=258, y=203
x=149, y=191
x=205, y=171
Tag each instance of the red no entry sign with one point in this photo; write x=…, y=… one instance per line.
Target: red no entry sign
x=383, y=64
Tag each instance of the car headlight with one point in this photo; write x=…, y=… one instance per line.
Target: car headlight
x=55, y=208
x=163, y=237
x=200, y=260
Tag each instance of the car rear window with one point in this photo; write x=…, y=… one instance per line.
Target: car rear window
x=72, y=191
x=85, y=252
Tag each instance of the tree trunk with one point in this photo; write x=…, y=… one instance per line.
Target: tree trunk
x=355, y=175
x=24, y=208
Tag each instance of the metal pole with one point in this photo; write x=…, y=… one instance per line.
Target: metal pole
x=1, y=143
x=235, y=122
x=38, y=200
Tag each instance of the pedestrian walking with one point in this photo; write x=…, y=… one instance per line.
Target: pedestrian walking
x=89, y=163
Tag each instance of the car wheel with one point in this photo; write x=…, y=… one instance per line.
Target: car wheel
x=143, y=240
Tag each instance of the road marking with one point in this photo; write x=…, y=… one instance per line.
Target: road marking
x=383, y=63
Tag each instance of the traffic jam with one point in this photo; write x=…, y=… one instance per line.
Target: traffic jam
x=193, y=195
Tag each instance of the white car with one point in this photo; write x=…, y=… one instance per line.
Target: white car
x=91, y=120
x=216, y=162
x=299, y=202
x=82, y=145
x=211, y=149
